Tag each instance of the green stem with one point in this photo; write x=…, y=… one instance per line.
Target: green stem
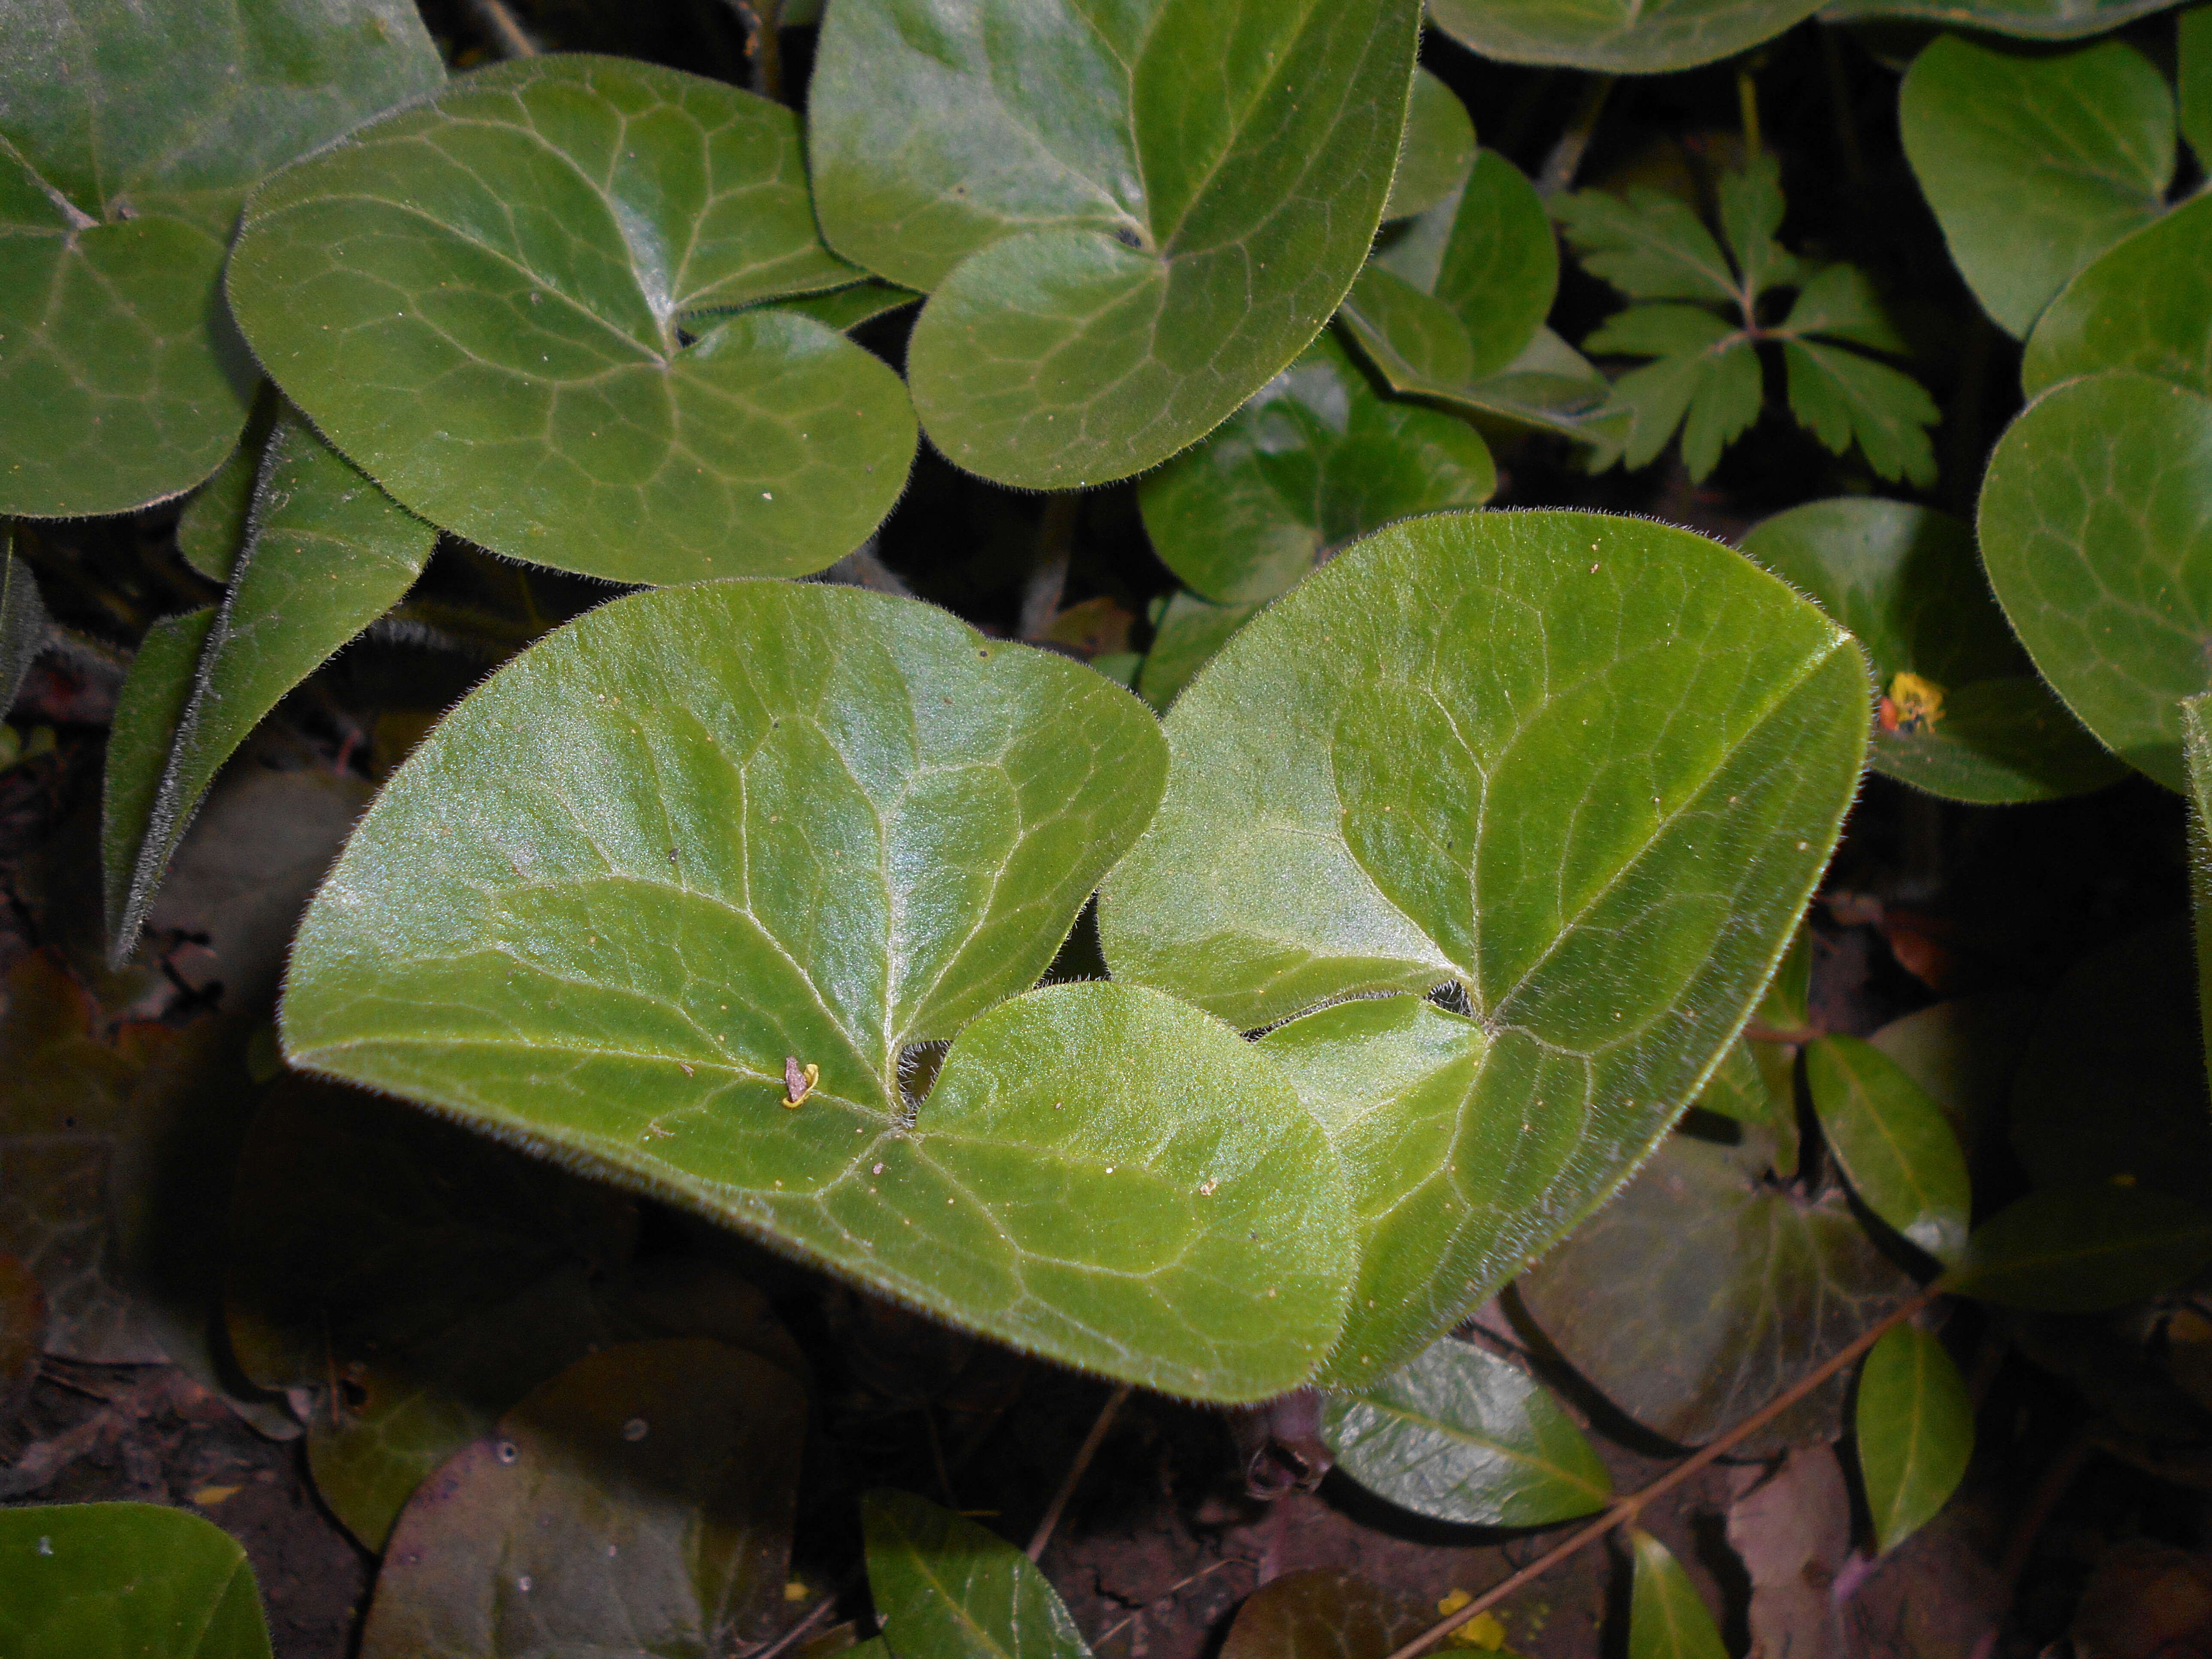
x=1747, y=98
x=1566, y=157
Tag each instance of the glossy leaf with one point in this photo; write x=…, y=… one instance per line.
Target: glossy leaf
x=2083, y=1248
x=128, y=136
x=1705, y=1289
x=946, y=1588
x=2111, y=1082
x=327, y=553
x=1617, y=36
x=1460, y=1435
x=23, y=622
x=1438, y=152
x=142, y=1579
x=2035, y=164
x=560, y=385
x=2141, y=306
x=1916, y=1432
x=1125, y=237
x=1321, y=1614
x=1906, y=581
x=1666, y=1617
x=1190, y=631
x=2029, y=20
x=763, y=777
x=640, y=1502
x=1315, y=459
x=2096, y=529
x=1552, y=800
x=1896, y=1149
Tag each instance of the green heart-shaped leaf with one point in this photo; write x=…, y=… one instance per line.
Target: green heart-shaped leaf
x=638, y=1504
x=327, y=553
x=2035, y=164
x=1316, y=459
x=506, y=304
x=2029, y=20
x=1916, y=1432
x=1666, y=1617
x=1631, y=37
x=1971, y=722
x=2096, y=529
x=1127, y=222
x=714, y=836
x=952, y=1590
x=128, y=136
x=1585, y=768
x=1460, y=1435
x=1188, y=632
x=2142, y=305
x=1438, y=152
x=1706, y=1288
x=134, y=1579
x=1893, y=1143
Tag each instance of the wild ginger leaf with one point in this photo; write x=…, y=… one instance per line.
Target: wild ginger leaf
x=128, y=137
x=2096, y=528
x=1622, y=36
x=2139, y=307
x=2027, y=20
x=2035, y=163
x=703, y=839
x=579, y=385
x=126, y=1578
x=1547, y=759
x=1438, y=152
x=1126, y=238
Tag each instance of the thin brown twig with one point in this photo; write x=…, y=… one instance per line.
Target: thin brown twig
x=1088, y=1450
x=1628, y=1508
x=507, y=35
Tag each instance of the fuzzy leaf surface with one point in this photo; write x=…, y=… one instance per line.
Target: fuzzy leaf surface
x=2035, y=165
x=712, y=829
x=1316, y=459
x=1916, y=1432
x=638, y=1504
x=1191, y=630
x=149, y=711
x=23, y=622
x=126, y=1578
x=506, y=304
x=1460, y=1435
x=1585, y=768
x=1617, y=36
x=1128, y=220
x=2142, y=306
x=2096, y=530
x=1438, y=152
x=950, y=1589
x=326, y=554
x=128, y=137
x=1906, y=580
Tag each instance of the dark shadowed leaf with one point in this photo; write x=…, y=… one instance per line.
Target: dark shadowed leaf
x=128, y=136
x=2111, y=1085
x=327, y=553
x=1557, y=787
x=2096, y=529
x=1757, y=1083
x=638, y=1504
x=1964, y=1054
x=1971, y=722
x=2196, y=751
x=1622, y=36
x=23, y=622
x=1666, y=1617
x=1323, y=1614
x=1916, y=1432
x=1705, y=1290
x=1437, y=153
x=2083, y=1248
x=1125, y=244
x=1461, y=1435
x=877, y=827
x=1316, y=459
x=1896, y=1148
x=2139, y=307
x=2034, y=163
x=22, y=1334
x=946, y=1588
x=136, y=1579
x=564, y=386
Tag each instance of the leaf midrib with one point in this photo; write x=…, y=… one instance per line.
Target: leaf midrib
x=1455, y=1432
